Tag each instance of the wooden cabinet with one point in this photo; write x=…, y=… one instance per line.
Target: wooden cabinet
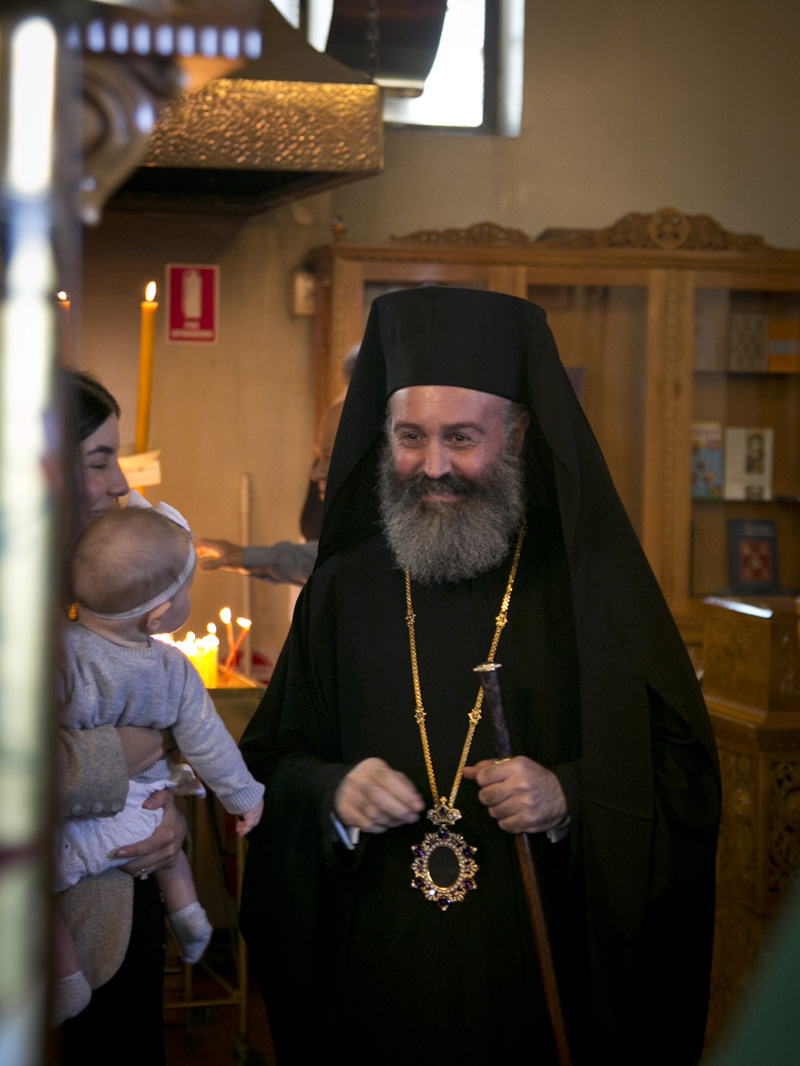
x=629, y=307
x=752, y=688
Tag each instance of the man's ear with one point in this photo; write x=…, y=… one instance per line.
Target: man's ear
x=519, y=432
x=152, y=618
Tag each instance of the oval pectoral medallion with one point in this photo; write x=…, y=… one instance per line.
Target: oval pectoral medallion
x=425, y=856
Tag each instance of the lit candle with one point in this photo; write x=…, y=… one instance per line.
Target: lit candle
x=64, y=329
x=244, y=624
x=225, y=618
x=146, y=335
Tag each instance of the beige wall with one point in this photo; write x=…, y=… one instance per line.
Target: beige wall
x=629, y=105
x=243, y=406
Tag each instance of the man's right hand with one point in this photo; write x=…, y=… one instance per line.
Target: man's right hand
x=373, y=797
x=219, y=555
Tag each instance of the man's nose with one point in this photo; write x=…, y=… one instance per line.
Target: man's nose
x=437, y=460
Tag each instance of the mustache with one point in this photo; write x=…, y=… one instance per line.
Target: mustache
x=419, y=485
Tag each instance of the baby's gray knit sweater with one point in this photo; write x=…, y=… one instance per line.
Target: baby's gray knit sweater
x=100, y=683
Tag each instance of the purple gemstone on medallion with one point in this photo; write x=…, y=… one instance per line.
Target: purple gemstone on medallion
x=443, y=902
x=417, y=851
x=466, y=850
x=443, y=832
x=419, y=882
x=468, y=885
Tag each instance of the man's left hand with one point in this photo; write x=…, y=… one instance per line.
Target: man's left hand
x=522, y=795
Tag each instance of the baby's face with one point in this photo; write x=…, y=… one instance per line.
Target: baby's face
x=177, y=613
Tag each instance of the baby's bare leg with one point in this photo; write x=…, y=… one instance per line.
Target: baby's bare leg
x=71, y=992
x=187, y=918
x=177, y=884
x=65, y=957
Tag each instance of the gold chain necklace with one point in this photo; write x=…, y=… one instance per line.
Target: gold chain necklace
x=444, y=813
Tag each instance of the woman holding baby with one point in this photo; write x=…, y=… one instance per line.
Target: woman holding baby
x=122, y=958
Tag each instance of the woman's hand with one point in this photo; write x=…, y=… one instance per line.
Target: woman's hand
x=160, y=851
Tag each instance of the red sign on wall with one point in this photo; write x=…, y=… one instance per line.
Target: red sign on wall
x=192, y=312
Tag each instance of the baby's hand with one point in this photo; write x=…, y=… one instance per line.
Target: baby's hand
x=250, y=819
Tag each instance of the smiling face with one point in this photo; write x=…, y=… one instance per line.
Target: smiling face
x=102, y=481
x=450, y=481
x=442, y=429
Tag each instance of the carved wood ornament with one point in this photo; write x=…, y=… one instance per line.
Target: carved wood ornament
x=667, y=229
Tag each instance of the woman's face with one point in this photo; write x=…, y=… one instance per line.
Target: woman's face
x=102, y=481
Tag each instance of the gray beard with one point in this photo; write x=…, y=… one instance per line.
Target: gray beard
x=439, y=542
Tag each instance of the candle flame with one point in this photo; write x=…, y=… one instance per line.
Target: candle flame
x=61, y=295
x=245, y=623
x=150, y=292
x=211, y=628
x=225, y=615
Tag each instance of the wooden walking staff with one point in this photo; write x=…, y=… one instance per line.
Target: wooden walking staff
x=494, y=705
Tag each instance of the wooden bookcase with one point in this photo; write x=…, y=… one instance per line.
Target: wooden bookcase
x=625, y=304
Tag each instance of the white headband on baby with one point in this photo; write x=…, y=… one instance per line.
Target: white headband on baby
x=137, y=500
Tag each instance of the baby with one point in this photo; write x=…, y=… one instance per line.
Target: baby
x=131, y=575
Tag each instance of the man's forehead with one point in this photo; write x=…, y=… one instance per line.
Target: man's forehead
x=445, y=401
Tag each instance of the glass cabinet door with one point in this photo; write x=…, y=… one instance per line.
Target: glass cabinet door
x=745, y=465
x=601, y=334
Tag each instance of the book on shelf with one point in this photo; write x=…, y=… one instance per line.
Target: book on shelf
x=753, y=557
x=748, y=462
x=783, y=345
x=707, y=460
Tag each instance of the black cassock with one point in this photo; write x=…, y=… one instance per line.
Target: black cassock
x=357, y=965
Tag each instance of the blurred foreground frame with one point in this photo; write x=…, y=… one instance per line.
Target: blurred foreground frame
x=62, y=153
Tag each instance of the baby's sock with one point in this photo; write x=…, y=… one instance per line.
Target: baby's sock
x=71, y=995
x=192, y=930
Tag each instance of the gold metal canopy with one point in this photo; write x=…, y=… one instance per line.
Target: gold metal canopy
x=288, y=124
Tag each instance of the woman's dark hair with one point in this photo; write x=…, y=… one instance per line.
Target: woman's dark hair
x=89, y=402
x=86, y=406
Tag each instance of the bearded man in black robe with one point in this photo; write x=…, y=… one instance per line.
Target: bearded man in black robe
x=470, y=515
